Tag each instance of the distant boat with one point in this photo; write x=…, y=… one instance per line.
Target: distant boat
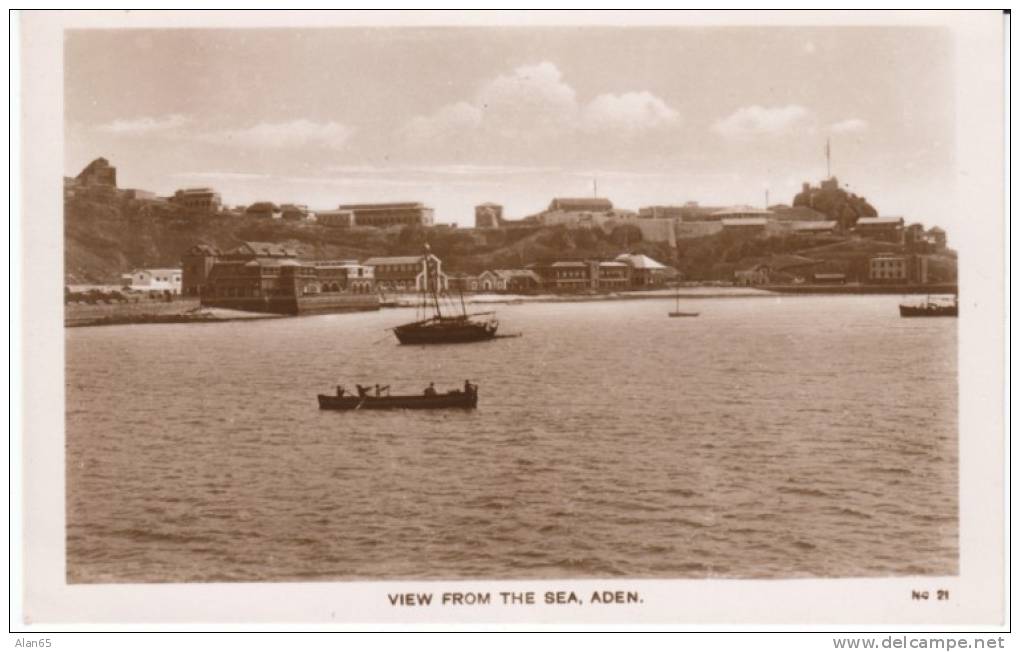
x=678, y=312
x=460, y=398
x=444, y=329
x=930, y=309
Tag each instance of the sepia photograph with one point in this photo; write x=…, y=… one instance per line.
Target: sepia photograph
x=478, y=301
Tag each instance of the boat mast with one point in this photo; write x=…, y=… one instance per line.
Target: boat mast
x=435, y=288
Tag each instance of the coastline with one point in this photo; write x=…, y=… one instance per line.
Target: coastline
x=190, y=312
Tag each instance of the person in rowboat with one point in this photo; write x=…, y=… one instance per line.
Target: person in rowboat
x=430, y=390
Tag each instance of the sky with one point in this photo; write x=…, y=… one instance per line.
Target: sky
x=454, y=117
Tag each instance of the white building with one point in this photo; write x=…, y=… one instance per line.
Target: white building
x=156, y=279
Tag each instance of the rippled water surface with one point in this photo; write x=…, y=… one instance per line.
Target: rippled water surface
x=769, y=437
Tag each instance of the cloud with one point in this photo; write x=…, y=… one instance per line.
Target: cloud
x=751, y=121
x=283, y=135
x=144, y=125
x=850, y=126
x=218, y=176
x=628, y=111
x=533, y=103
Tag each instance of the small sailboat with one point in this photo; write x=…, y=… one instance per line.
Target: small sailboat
x=437, y=328
x=678, y=312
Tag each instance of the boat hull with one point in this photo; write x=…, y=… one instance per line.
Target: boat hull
x=684, y=314
x=444, y=333
x=929, y=311
x=417, y=402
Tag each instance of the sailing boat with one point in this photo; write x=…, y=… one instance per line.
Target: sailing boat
x=437, y=328
x=677, y=312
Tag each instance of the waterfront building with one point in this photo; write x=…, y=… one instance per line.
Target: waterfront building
x=407, y=273
x=139, y=195
x=391, y=214
x=462, y=282
x=205, y=200
x=488, y=216
x=157, y=279
x=937, y=236
x=613, y=274
x=519, y=280
x=644, y=271
x=890, y=268
x=344, y=276
x=196, y=263
x=886, y=268
x=885, y=229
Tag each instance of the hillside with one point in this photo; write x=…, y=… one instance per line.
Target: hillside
x=108, y=236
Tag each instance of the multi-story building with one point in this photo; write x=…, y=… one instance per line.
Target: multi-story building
x=266, y=277
x=336, y=219
x=613, y=274
x=392, y=214
x=645, y=271
x=408, y=273
x=345, y=276
x=206, y=200
x=888, y=268
x=885, y=229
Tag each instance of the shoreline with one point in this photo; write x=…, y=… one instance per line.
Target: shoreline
x=192, y=313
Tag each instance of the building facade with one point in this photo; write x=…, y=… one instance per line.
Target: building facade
x=884, y=229
x=335, y=219
x=388, y=215
x=887, y=269
x=205, y=200
x=408, y=273
x=155, y=279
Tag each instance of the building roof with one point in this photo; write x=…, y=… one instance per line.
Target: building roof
x=640, y=261
x=744, y=221
x=381, y=207
x=880, y=221
x=612, y=263
x=393, y=260
x=741, y=210
x=569, y=263
x=516, y=273
x=581, y=203
x=274, y=262
x=814, y=225
x=936, y=229
x=158, y=270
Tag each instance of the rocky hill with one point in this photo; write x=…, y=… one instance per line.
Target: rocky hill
x=109, y=234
